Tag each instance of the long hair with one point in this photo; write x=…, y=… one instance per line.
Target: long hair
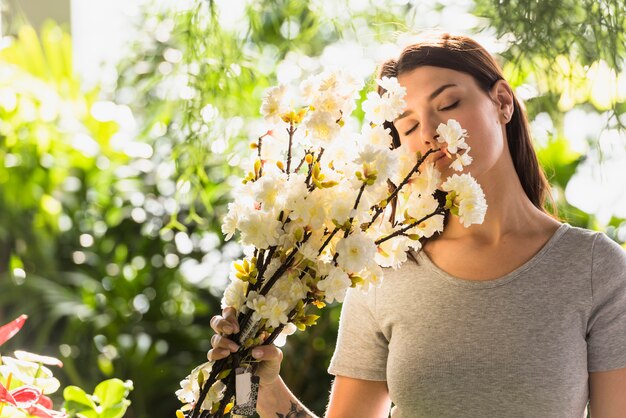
x=463, y=54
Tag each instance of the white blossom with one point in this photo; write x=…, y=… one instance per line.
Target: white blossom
x=274, y=103
x=427, y=228
x=321, y=126
x=268, y=307
x=289, y=289
x=406, y=161
x=260, y=228
x=340, y=152
x=340, y=202
x=377, y=135
x=235, y=294
x=215, y=394
x=391, y=252
x=372, y=277
x=462, y=160
x=392, y=86
x=418, y=208
x=355, y=251
x=312, y=210
x=329, y=102
x=230, y=221
x=335, y=285
x=385, y=107
x=378, y=109
x=189, y=390
x=281, y=340
x=469, y=198
x=425, y=182
x=453, y=135
x=269, y=190
x=379, y=161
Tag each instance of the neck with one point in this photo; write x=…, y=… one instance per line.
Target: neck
x=509, y=211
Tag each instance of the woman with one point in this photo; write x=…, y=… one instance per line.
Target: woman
x=519, y=316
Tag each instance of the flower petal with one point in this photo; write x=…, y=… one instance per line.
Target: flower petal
x=9, y=330
x=36, y=358
x=5, y=396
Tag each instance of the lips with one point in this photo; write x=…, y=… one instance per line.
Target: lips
x=438, y=156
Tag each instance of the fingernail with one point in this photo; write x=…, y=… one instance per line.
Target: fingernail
x=228, y=329
x=233, y=347
x=256, y=353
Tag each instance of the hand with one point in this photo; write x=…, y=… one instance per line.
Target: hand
x=269, y=356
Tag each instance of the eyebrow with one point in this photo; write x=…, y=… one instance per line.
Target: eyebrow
x=431, y=97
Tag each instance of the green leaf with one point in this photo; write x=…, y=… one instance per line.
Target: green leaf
x=110, y=392
x=223, y=374
x=77, y=400
x=115, y=411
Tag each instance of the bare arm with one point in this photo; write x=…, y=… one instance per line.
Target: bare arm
x=607, y=394
x=276, y=400
x=349, y=398
x=358, y=398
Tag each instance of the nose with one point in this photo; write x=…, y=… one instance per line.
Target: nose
x=428, y=134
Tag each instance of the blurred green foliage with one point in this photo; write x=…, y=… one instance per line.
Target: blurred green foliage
x=111, y=199
x=108, y=400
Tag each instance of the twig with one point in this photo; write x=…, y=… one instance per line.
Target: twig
x=402, y=230
x=402, y=184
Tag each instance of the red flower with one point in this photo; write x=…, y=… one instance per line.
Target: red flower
x=30, y=400
x=9, y=330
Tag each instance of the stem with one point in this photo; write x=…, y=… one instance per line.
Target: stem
x=308, y=177
x=301, y=162
x=290, y=131
x=332, y=234
x=356, y=205
x=261, y=267
x=402, y=230
x=217, y=368
x=266, y=288
x=402, y=184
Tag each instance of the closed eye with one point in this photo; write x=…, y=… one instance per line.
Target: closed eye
x=452, y=106
x=412, y=129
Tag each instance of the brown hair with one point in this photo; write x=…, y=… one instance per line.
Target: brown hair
x=463, y=54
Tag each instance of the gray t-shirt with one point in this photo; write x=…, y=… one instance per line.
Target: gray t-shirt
x=518, y=346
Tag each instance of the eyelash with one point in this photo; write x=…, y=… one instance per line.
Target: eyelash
x=452, y=106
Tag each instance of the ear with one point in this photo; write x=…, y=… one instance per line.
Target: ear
x=502, y=95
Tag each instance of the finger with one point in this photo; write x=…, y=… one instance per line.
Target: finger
x=230, y=314
x=217, y=354
x=214, y=322
x=221, y=325
x=218, y=341
x=267, y=352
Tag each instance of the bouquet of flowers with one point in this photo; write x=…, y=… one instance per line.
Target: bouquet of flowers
x=324, y=207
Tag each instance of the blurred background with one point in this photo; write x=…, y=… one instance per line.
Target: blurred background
x=124, y=124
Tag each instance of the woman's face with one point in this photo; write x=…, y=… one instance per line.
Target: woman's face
x=435, y=95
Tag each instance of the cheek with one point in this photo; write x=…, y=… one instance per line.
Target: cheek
x=487, y=139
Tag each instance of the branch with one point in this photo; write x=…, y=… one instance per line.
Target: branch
x=402, y=184
x=439, y=211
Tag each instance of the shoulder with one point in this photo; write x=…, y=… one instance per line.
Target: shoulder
x=608, y=256
x=605, y=257
x=578, y=243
